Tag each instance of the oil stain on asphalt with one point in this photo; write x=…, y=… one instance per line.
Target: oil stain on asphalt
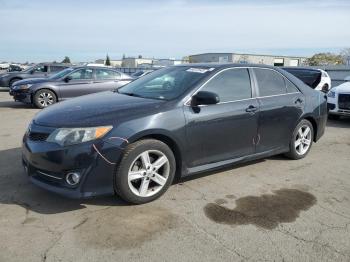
x=124, y=227
x=266, y=211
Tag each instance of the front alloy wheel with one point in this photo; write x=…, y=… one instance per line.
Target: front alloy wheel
x=148, y=173
x=44, y=97
x=145, y=172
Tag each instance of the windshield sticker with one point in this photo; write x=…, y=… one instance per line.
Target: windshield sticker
x=198, y=70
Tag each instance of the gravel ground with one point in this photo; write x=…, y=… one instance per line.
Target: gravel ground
x=273, y=209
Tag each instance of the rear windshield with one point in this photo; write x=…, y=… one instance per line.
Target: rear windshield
x=310, y=77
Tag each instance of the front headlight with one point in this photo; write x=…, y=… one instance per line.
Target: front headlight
x=23, y=87
x=71, y=136
x=331, y=94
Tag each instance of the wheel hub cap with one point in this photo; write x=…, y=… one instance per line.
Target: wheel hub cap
x=148, y=173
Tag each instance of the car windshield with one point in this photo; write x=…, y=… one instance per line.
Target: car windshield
x=166, y=84
x=61, y=73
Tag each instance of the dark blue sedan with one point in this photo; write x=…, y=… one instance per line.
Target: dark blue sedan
x=173, y=122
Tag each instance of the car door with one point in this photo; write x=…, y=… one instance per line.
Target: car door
x=77, y=83
x=105, y=79
x=281, y=105
x=225, y=130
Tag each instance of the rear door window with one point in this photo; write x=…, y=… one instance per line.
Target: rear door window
x=230, y=85
x=81, y=74
x=103, y=74
x=291, y=88
x=270, y=82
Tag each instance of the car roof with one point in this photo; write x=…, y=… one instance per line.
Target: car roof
x=95, y=67
x=226, y=65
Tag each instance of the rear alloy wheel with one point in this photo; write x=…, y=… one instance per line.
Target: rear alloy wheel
x=145, y=172
x=44, y=98
x=301, y=140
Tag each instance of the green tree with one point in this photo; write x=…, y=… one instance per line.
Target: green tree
x=66, y=60
x=345, y=53
x=108, y=61
x=325, y=59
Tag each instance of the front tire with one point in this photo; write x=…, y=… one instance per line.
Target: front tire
x=145, y=172
x=43, y=98
x=301, y=141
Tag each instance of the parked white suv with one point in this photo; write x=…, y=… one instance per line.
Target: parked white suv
x=317, y=79
x=339, y=101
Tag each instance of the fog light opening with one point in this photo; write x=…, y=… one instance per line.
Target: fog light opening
x=72, y=178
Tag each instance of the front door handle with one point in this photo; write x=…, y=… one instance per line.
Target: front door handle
x=251, y=109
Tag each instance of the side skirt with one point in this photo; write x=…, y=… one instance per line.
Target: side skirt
x=239, y=160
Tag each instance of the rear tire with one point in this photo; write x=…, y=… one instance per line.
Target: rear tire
x=43, y=98
x=325, y=88
x=145, y=172
x=12, y=81
x=301, y=140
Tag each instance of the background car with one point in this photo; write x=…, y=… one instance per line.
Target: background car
x=317, y=79
x=141, y=73
x=339, y=101
x=39, y=70
x=179, y=120
x=71, y=82
x=14, y=68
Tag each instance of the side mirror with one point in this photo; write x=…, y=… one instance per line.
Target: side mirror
x=32, y=71
x=205, y=98
x=67, y=79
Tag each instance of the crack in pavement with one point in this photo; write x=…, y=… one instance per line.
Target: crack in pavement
x=313, y=241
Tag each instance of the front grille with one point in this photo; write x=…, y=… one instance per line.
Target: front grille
x=344, y=101
x=35, y=136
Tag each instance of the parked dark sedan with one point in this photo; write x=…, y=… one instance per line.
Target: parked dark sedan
x=178, y=121
x=69, y=83
x=39, y=70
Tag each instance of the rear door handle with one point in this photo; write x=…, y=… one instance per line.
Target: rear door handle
x=251, y=109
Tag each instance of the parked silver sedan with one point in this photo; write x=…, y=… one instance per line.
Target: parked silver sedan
x=69, y=83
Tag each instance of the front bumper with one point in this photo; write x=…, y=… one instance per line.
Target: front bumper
x=335, y=109
x=21, y=95
x=47, y=164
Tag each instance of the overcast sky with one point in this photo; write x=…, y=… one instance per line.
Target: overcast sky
x=86, y=30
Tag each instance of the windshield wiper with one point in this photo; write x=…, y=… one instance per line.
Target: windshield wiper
x=129, y=94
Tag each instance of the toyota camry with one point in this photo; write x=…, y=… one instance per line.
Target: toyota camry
x=171, y=123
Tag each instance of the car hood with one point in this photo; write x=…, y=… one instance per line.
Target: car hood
x=342, y=88
x=105, y=108
x=32, y=81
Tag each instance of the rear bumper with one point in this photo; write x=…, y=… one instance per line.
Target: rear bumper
x=47, y=165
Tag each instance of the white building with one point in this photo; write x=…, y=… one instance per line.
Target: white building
x=248, y=58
